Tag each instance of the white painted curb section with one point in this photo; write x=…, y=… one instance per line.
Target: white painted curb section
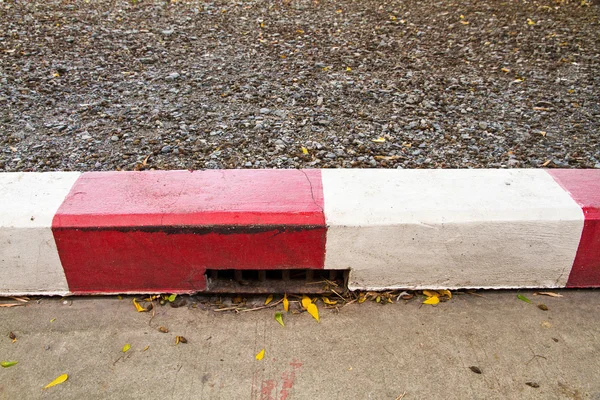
x=29, y=262
x=450, y=228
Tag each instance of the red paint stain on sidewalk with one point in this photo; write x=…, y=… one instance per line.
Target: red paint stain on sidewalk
x=286, y=380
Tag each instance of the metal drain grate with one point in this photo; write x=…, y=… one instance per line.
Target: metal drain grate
x=297, y=281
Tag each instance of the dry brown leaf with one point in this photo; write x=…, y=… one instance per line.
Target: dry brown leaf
x=180, y=339
x=551, y=294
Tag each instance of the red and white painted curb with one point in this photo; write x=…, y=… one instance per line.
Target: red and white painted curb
x=158, y=231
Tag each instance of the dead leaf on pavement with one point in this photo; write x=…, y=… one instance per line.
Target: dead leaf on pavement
x=57, y=381
x=432, y=300
x=551, y=294
x=475, y=369
x=543, y=307
x=12, y=336
x=180, y=339
x=430, y=293
x=139, y=308
x=286, y=303
x=306, y=301
x=11, y=305
x=314, y=311
x=163, y=329
x=329, y=302
x=269, y=299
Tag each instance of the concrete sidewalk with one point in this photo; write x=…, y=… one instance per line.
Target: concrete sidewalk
x=364, y=351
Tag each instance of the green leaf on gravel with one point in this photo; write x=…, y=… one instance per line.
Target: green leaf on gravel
x=523, y=298
x=172, y=298
x=6, y=364
x=279, y=318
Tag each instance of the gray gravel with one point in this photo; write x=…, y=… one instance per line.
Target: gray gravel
x=105, y=85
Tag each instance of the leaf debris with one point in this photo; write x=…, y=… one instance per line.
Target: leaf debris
x=57, y=381
x=260, y=355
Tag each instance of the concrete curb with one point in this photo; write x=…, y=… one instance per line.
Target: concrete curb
x=158, y=231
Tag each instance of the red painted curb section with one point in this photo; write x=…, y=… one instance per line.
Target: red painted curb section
x=584, y=187
x=158, y=231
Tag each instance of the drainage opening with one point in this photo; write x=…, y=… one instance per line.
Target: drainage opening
x=297, y=281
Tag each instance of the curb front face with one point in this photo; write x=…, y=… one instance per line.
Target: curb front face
x=159, y=231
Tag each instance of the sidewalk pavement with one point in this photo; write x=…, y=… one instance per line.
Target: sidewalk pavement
x=360, y=351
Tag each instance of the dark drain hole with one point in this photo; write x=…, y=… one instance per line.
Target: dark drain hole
x=276, y=281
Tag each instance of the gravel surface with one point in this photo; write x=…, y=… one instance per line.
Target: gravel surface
x=104, y=85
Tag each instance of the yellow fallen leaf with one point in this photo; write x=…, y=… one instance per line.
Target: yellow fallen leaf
x=432, y=300
x=430, y=293
x=362, y=298
x=126, y=348
x=546, y=324
x=462, y=17
x=304, y=150
x=306, y=302
x=505, y=70
x=313, y=310
x=138, y=307
x=530, y=22
x=260, y=355
x=53, y=319
x=146, y=348
x=464, y=22
x=348, y=69
x=57, y=381
x=329, y=302
x=269, y=299
x=379, y=140
x=445, y=293
x=286, y=303
x=393, y=17
x=378, y=299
